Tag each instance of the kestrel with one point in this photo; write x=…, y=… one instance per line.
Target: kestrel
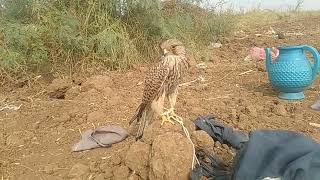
x=162, y=82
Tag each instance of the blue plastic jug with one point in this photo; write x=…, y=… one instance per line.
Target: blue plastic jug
x=292, y=72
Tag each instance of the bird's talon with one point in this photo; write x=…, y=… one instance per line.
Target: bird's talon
x=166, y=118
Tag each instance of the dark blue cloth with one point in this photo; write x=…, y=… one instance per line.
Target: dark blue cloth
x=278, y=153
x=282, y=154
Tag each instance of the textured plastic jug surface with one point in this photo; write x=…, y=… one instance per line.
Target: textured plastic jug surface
x=292, y=72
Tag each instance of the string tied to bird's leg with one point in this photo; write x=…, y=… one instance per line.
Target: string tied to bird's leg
x=166, y=117
x=186, y=132
x=170, y=114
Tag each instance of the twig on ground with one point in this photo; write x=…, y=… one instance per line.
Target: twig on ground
x=201, y=66
x=315, y=125
x=38, y=94
x=11, y=107
x=4, y=99
x=200, y=78
x=246, y=72
x=219, y=97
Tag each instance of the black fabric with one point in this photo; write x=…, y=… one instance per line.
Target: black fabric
x=282, y=154
x=221, y=132
x=213, y=170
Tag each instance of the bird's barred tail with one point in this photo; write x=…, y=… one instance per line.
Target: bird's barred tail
x=138, y=114
x=143, y=114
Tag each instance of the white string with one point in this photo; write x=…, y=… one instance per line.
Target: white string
x=186, y=132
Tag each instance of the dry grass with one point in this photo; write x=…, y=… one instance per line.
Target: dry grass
x=71, y=37
x=68, y=37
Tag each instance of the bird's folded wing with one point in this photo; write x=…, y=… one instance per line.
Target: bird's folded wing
x=154, y=82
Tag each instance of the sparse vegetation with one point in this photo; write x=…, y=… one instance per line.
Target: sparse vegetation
x=71, y=36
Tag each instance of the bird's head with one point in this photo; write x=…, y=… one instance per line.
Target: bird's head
x=175, y=47
x=172, y=46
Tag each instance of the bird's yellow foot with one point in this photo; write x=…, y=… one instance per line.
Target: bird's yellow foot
x=173, y=116
x=166, y=118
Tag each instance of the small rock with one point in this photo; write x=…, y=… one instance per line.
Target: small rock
x=99, y=177
x=217, y=144
x=78, y=170
x=58, y=88
x=73, y=113
x=243, y=117
x=234, y=114
x=96, y=116
x=98, y=82
x=202, y=139
x=207, y=160
x=281, y=35
x=121, y=173
x=64, y=118
x=279, y=110
x=94, y=166
x=139, y=164
x=241, y=126
x=107, y=92
x=108, y=172
x=115, y=160
x=261, y=67
x=14, y=139
x=36, y=125
x=50, y=169
x=251, y=111
x=243, y=102
x=134, y=177
x=216, y=45
x=80, y=121
x=224, y=150
x=225, y=146
x=218, y=150
x=190, y=126
x=73, y=92
x=203, y=178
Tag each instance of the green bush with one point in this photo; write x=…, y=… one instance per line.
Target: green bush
x=38, y=36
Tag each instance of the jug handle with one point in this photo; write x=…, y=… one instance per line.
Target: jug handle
x=268, y=58
x=316, y=57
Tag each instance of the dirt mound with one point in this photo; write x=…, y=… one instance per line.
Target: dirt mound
x=58, y=88
x=166, y=155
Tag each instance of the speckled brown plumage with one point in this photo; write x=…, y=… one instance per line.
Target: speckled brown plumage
x=161, y=81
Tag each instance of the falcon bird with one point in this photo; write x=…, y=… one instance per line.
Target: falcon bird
x=162, y=82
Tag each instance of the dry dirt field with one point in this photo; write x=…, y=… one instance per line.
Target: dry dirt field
x=36, y=140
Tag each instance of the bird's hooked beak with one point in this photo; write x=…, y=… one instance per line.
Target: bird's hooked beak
x=165, y=51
